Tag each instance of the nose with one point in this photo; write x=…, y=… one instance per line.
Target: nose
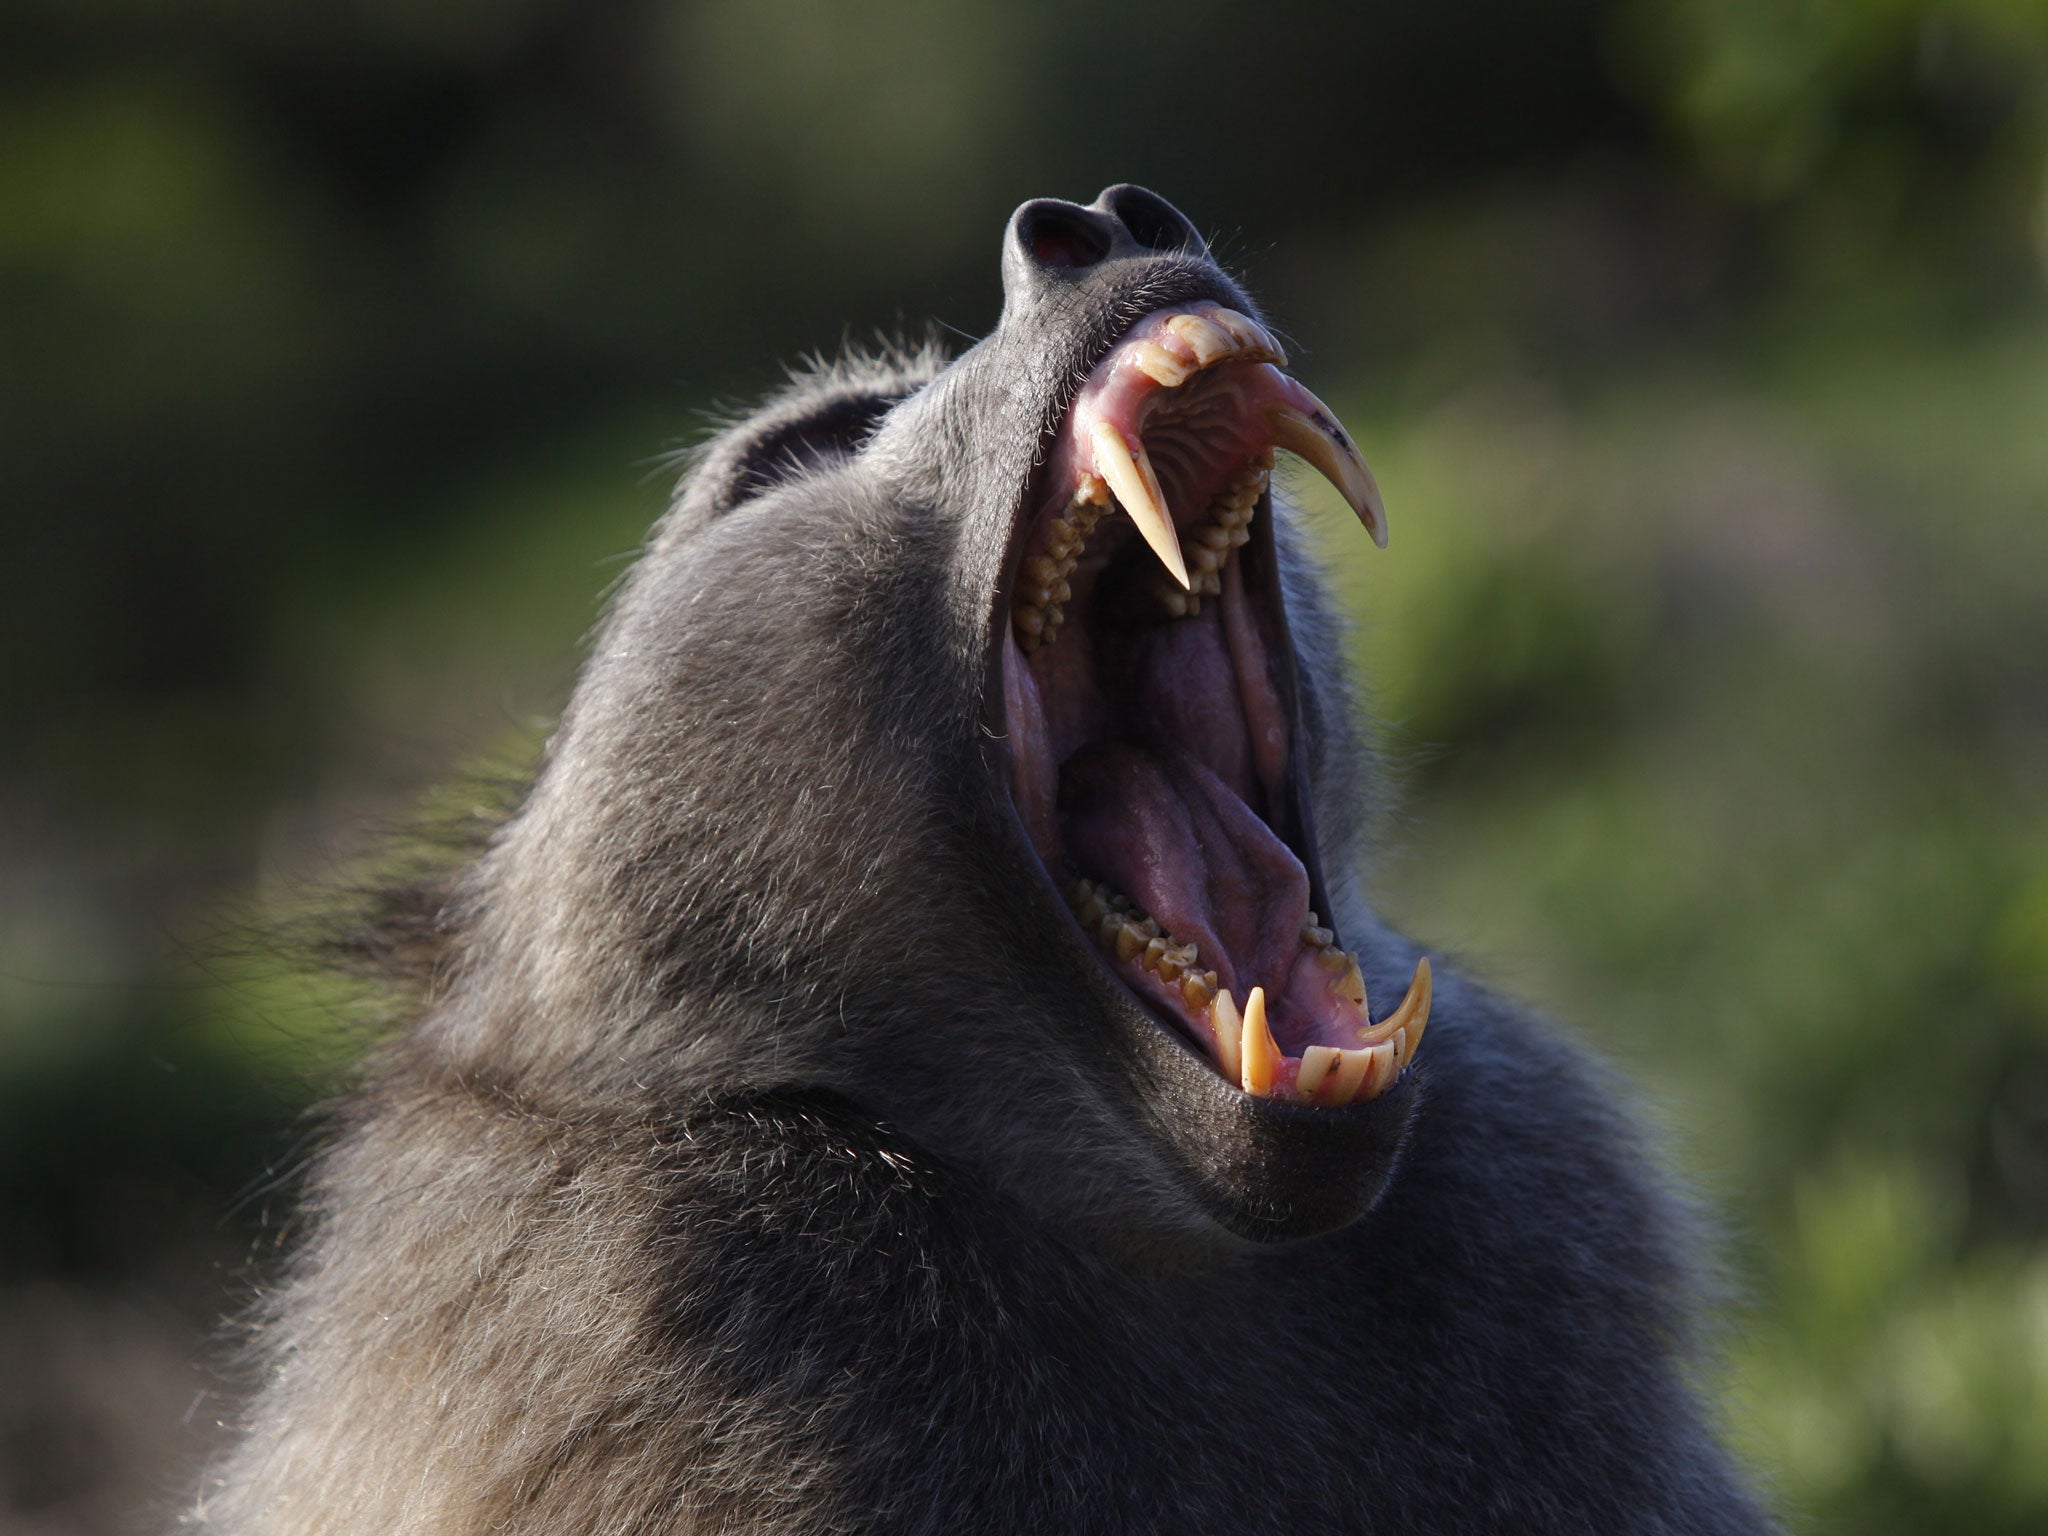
x=1051, y=241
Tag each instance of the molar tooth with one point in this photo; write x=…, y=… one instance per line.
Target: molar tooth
x=1130, y=475
x=1128, y=941
x=1061, y=592
x=1212, y=536
x=1228, y=1025
x=1062, y=540
x=1316, y=1062
x=1028, y=619
x=1351, y=985
x=1261, y=1056
x=1319, y=439
x=1041, y=569
x=1159, y=365
x=1209, y=341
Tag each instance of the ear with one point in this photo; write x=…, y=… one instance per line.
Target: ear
x=820, y=419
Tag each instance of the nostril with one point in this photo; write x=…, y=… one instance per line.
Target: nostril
x=1062, y=236
x=1153, y=222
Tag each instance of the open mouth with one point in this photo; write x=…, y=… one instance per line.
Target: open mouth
x=1147, y=681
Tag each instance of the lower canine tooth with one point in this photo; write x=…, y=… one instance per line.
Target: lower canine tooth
x=1413, y=1014
x=1261, y=1056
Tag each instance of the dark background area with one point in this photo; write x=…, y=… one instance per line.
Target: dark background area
x=1699, y=346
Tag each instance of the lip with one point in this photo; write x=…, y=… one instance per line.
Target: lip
x=1288, y=815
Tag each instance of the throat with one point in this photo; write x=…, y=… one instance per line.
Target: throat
x=1154, y=821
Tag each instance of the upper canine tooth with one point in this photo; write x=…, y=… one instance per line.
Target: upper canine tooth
x=1261, y=1055
x=1160, y=365
x=1130, y=476
x=1209, y=341
x=1318, y=438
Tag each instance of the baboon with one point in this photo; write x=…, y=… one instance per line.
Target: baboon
x=906, y=1064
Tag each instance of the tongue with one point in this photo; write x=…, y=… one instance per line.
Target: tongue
x=1163, y=828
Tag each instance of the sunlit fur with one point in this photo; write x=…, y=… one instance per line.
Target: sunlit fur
x=753, y=1159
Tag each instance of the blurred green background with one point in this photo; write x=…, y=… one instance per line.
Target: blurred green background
x=1702, y=351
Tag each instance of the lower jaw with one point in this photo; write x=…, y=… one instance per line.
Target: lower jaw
x=1359, y=1065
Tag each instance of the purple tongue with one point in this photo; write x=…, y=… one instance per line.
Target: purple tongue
x=1163, y=829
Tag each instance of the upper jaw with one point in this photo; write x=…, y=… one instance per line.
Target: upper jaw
x=1278, y=1011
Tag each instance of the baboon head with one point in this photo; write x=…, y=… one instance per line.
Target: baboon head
x=960, y=747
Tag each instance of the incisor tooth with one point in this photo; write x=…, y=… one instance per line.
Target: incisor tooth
x=1316, y=1062
x=1250, y=335
x=1351, y=1070
x=1318, y=439
x=1209, y=340
x=1160, y=365
x=1261, y=1056
x=1381, y=1066
x=1229, y=1027
x=1130, y=476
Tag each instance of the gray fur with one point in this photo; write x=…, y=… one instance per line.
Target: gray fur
x=765, y=1152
